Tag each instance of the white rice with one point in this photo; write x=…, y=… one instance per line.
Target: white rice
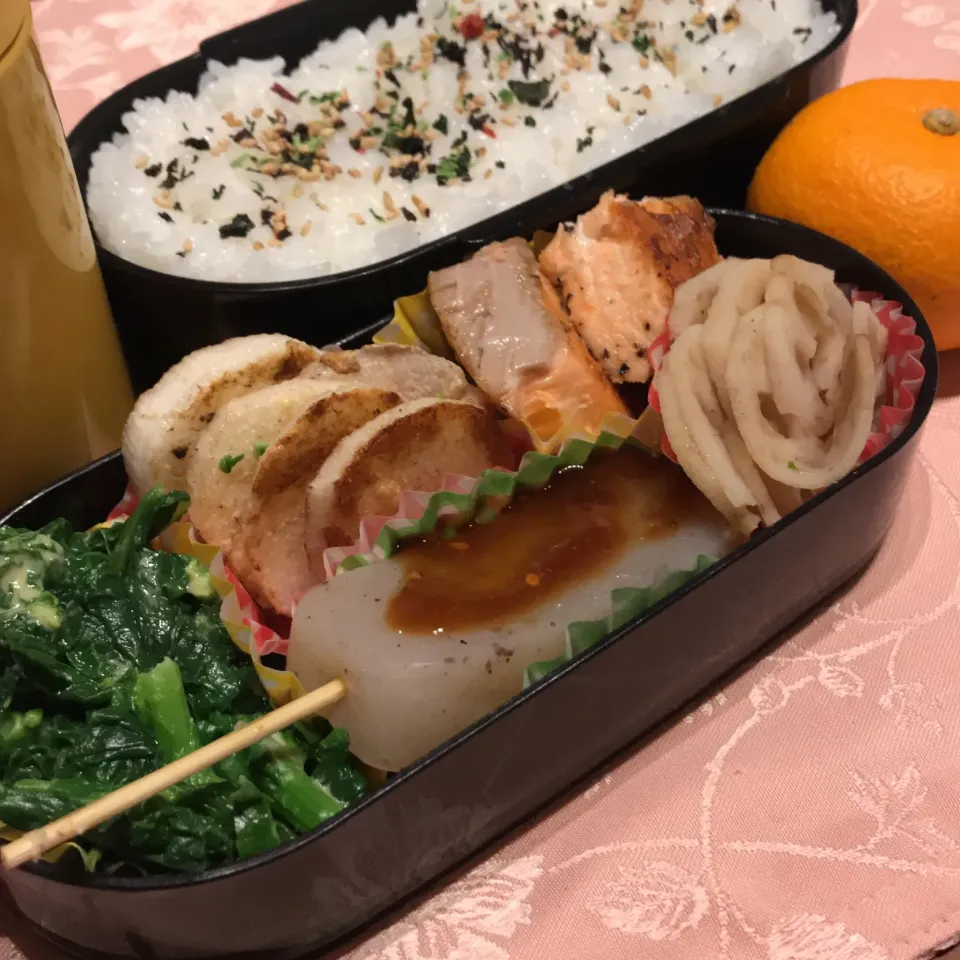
x=634, y=101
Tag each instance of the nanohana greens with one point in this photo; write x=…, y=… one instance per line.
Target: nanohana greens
x=114, y=662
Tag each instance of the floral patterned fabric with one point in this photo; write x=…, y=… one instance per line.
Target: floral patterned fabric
x=810, y=810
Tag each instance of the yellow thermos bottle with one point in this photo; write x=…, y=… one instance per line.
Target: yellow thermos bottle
x=64, y=390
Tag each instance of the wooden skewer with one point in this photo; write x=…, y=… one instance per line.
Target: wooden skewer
x=37, y=842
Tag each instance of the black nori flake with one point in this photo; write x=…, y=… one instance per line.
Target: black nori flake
x=603, y=66
x=283, y=234
x=301, y=131
x=731, y=68
x=163, y=215
x=178, y=207
x=584, y=142
x=243, y=134
x=431, y=168
x=689, y=35
x=452, y=51
x=712, y=21
x=419, y=21
x=196, y=143
x=485, y=49
x=409, y=172
x=500, y=165
x=460, y=141
x=549, y=104
x=153, y=170
x=641, y=42
x=560, y=14
x=182, y=253
x=441, y=124
x=407, y=215
x=355, y=142
x=478, y=120
x=529, y=121
x=392, y=77
x=584, y=44
x=218, y=191
x=266, y=216
x=412, y=145
x=239, y=226
x=531, y=94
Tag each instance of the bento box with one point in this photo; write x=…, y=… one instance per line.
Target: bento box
x=454, y=803
x=161, y=317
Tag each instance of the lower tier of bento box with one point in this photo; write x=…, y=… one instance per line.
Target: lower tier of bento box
x=456, y=802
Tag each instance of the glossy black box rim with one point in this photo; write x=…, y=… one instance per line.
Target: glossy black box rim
x=226, y=45
x=924, y=402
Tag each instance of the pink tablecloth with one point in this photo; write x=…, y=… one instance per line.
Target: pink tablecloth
x=810, y=811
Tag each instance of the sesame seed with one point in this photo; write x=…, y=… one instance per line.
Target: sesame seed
x=321, y=205
x=422, y=208
x=508, y=121
x=532, y=580
x=256, y=112
x=645, y=92
x=377, y=174
x=187, y=245
x=717, y=99
x=459, y=545
x=274, y=242
x=488, y=175
x=141, y=161
x=305, y=229
x=257, y=245
x=355, y=173
x=565, y=85
x=230, y=120
x=613, y=102
x=358, y=220
x=163, y=199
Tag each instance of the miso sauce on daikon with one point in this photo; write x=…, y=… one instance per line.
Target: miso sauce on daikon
x=546, y=541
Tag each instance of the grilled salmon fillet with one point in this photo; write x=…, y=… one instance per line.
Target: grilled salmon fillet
x=616, y=269
x=500, y=326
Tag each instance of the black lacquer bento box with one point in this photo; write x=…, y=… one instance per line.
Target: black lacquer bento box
x=328, y=885
x=161, y=317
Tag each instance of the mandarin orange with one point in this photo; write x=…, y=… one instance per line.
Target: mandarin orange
x=877, y=165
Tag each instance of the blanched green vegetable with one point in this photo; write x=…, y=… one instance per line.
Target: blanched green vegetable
x=114, y=662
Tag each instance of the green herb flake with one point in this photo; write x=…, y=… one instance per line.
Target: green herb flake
x=792, y=466
x=532, y=93
x=260, y=448
x=641, y=42
x=441, y=124
x=228, y=462
x=507, y=97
